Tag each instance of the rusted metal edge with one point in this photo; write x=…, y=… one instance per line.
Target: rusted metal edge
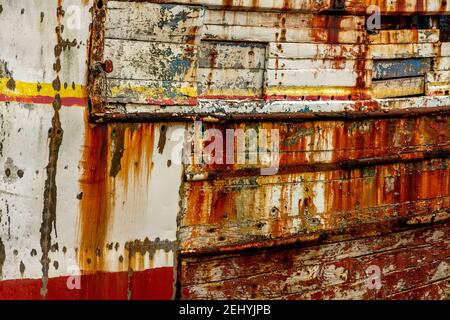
x=407, y=157
x=105, y=117
x=96, y=101
x=323, y=237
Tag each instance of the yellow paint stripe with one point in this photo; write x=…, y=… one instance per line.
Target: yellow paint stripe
x=32, y=89
x=154, y=92
x=314, y=91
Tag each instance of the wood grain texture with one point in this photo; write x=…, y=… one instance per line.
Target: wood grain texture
x=414, y=264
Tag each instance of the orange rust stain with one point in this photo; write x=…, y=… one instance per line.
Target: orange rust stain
x=138, y=146
x=328, y=30
x=99, y=186
x=222, y=207
x=283, y=28
x=94, y=206
x=195, y=204
x=286, y=5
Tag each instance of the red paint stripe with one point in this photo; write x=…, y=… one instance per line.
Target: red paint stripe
x=152, y=284
x=171, y=102
x=65, y=101
x=306, y=98
x=225, y=97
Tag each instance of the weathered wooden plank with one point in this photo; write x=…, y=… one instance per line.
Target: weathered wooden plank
x=404, y=36
x=318, y=64
x=222, y=55
x=398, y=87
x=330, y=271
x=230, y=83
x=152, y=92
x=294, y=5
x=402, y=51
x=239, y=210
x=143, y=60
x=315, y=93
x=317, y=51
x=226, y=267
x=312, y=78
x=398, y=6
x=441, y=63
x=154, y=22
x=438, y=76
x=445, y=49
x=437, y=290
x=277, y=34
x=282, y=20
x=386, y=69
x=437, y=89
x=303, y=145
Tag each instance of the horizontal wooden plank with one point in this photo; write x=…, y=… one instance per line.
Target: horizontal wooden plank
x=402, y=51
x=409, y=261
x=317, y=51
x=404, y=36
x=230, y=83
x=406, y=248
x=276, y=34
x=318, y=64
x=400, y=68
x=437, y=89
x=312, y=78
x=399, y=6
x=222, y=55
x=441, y=63
x=305, y=144
x=152, y=92
x=438, y=76
x=234, y=211
x=154, y=22
x=296, y=93
x=294, y=5
x=401, y=87
x=445, y=49
x=151, y=60
x=282, y=20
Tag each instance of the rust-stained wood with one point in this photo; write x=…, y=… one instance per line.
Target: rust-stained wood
x=230, y=83
x=405, y=36
x=398, y=7
x=414, y=264
x=147, y=21
x=311, y=146
x=317, y=51
x=239, y=210
x=334, y=178
x=403, y=51
x=231, y=70
x=400, y=87
x=314, y=78
x=282, y=20
x=276, y=34
x=294, y=5
x=230, y=55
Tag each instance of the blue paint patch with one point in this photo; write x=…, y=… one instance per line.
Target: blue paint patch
x=400, y=68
